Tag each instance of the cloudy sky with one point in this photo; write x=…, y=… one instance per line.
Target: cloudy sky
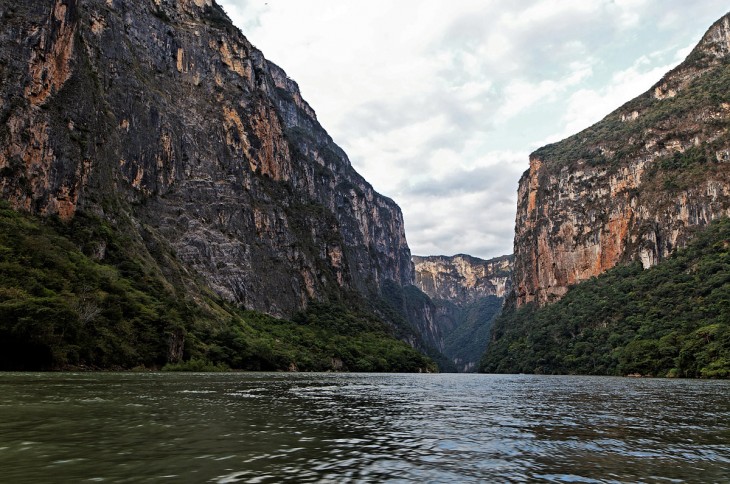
x=439, y=103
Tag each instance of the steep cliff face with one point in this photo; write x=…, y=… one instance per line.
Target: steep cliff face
x=466, y=294
x=161, y=113
x=635, y=186
x=462, y=279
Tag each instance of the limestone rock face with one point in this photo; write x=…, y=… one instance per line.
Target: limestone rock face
x=635, y=186
x=161, y=111
x=466, y=295
x=463, y=279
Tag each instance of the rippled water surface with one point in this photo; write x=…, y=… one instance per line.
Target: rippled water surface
x=243, y=427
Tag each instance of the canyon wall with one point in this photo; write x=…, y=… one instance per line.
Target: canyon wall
x=462, y=279
x=161, y=113
x=634, y=186
x=466, y=294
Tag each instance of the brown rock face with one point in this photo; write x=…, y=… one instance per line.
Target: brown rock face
x=463, y=279
x=162, y=113
x=466, y=295
x=632, y=187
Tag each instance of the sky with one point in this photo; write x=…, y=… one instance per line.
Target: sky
x=439, y=104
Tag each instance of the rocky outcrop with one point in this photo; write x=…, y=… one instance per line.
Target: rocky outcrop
x=462, y=279
x=635, y=186
x=466, y=294
x=160, y=112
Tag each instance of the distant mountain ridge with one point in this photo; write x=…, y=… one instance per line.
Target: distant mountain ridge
x=467, y=293
x=463, y=278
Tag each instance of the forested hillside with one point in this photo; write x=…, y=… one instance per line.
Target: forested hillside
x=670, y=320
x=82, y=295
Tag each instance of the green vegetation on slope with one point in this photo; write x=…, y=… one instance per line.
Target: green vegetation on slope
x=612, y=140
x=406, y=309
x=323, y=338
x=670, y=320
x=86, y=295
x=466, y=343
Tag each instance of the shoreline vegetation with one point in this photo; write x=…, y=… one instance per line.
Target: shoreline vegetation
x=63, y=307
x=671, y=320
x=83, y=295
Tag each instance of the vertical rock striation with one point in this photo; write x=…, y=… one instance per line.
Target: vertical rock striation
x=466, y=294
x=162, y=113
x=634, y=186
x=462, y=279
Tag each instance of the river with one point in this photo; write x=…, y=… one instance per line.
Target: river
x=275, y=427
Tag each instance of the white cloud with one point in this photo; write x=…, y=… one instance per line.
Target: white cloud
x=587, y=106
x=438, y=104
x=521, y=95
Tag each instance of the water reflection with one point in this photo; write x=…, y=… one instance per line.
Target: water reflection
x=360, y=428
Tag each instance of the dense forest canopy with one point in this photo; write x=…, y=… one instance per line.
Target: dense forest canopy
x=670, y=320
